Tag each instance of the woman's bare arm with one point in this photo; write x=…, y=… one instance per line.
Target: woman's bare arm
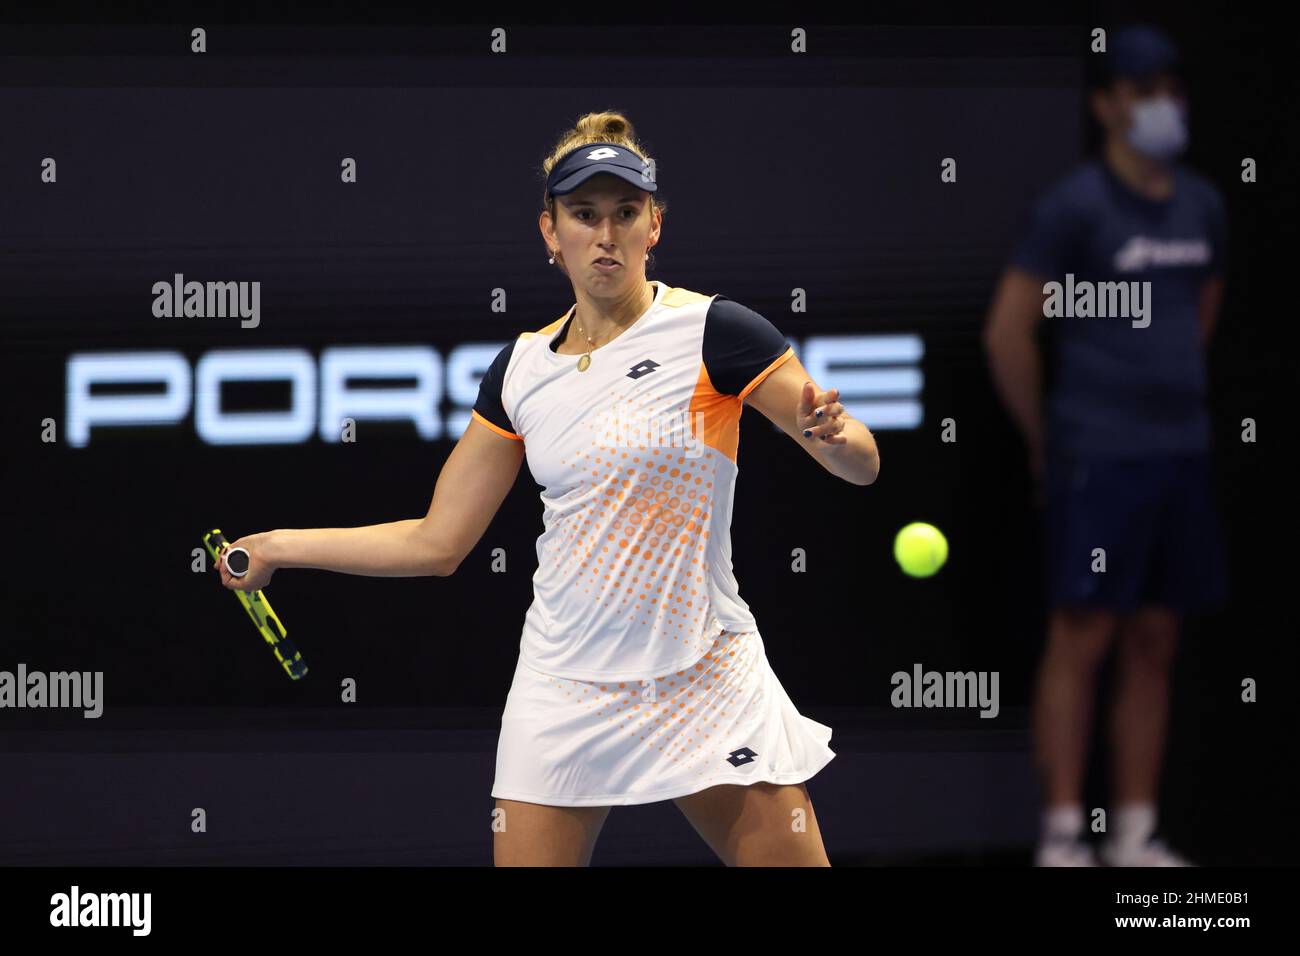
x=855, y=458
x=478, y=474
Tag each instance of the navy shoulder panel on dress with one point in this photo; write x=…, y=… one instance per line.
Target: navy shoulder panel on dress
x=489, y=390
x=739, y=344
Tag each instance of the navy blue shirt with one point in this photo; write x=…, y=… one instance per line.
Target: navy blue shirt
x=1116, y=390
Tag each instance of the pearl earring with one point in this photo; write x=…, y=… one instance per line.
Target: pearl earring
x=552, y=259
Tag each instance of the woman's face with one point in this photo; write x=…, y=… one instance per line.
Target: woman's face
x=606, y=218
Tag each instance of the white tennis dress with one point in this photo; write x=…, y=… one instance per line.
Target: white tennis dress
x=641, y=674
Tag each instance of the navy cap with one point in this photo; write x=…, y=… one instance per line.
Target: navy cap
x=580, y=164
x=1140, y=52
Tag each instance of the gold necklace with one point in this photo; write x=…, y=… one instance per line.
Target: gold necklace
x=584, y=363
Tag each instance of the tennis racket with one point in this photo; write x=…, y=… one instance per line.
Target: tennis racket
x=258, y=607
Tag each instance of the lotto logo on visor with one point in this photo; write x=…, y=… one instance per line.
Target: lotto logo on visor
x=593, y=159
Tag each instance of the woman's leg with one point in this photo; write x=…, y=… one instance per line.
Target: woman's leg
x=531, y=834
x=760, y=824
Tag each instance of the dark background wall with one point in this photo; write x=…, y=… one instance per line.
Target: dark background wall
x=226, y=168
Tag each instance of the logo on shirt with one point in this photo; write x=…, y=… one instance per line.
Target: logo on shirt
x=1141, y=252
x=738, y=758
x=643, y=367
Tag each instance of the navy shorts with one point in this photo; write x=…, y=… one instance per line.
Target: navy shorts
x=1156, y=520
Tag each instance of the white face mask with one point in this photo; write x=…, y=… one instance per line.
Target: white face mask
x=1159, y=127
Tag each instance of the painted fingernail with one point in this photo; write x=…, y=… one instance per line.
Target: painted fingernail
x=807, y=433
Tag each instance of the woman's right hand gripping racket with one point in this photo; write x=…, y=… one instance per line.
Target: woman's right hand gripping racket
x=255, y=603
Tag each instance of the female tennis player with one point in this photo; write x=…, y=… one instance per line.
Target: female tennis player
x=641, y=674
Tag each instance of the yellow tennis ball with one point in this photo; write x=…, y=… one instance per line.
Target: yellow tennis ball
x=920, y=549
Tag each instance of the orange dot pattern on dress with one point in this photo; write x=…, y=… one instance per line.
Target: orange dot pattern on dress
x=646, y=526
x=687, y=722
x=634, y=570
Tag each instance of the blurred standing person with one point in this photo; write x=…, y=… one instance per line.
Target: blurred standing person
x=1120, y=448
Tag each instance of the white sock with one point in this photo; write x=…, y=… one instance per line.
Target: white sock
x=1063, y=822
x=1134, y=823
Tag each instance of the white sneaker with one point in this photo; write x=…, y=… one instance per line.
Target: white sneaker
x=1058, y=852
x=1150, y=853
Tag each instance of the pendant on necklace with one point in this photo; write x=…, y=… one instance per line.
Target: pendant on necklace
x=584, y=363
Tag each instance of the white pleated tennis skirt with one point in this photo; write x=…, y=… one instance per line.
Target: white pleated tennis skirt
x=724, y=719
